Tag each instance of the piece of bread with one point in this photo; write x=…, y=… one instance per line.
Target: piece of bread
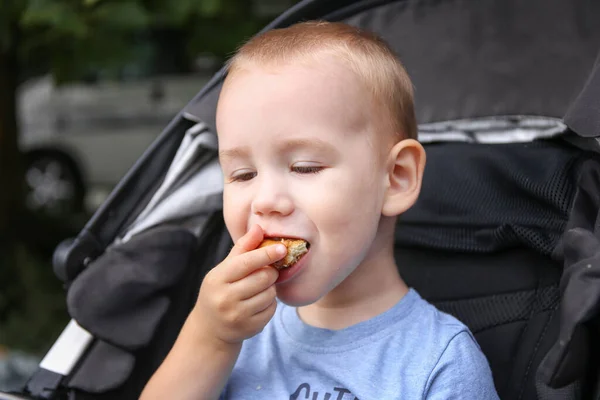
x=296, y=248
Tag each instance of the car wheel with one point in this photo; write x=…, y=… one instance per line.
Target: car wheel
x=54, y=185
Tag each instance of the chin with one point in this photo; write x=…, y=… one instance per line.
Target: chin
x=297, y=296
x=310, y=287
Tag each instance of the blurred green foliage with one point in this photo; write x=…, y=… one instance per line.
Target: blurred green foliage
x=32, y=300
x=72, y=36
x=32, y=306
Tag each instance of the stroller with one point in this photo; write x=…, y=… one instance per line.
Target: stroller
x=504, y=236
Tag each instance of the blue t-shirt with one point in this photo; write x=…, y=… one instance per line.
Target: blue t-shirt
x=412, y=351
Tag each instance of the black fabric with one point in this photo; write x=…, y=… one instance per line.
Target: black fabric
x=120, y=298
x=472, y=58
x=572, y=391
x=594, y=375
x=452, y=50
x=212, y=247
x=572, y=355
x=105, y=368
x=503, y=308
x=583, y=116
x=42, y=383
x=485, y=198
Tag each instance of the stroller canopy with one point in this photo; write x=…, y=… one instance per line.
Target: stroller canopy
x=469, y=58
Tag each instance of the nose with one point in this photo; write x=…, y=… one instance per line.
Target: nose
x=272, y=198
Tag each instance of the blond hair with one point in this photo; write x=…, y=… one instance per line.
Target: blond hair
x=366, y=54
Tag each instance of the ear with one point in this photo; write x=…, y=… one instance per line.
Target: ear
x=405, y=166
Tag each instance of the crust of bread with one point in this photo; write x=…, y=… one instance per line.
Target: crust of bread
x=296, y=248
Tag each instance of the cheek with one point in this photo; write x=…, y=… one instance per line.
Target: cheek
x=349, y=214
x=234, y=215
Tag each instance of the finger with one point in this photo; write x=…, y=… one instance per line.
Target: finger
x=249, y=241
x=264, y=316
x=261, y=301
x=244, y=264
x=254, y=283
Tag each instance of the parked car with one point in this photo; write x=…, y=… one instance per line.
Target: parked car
x=88, y=133
x=15, y=368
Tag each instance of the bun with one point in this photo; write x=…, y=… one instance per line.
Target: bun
x=296, y=248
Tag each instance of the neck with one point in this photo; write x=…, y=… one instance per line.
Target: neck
x=374, y=287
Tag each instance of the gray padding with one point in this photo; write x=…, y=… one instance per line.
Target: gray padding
x=122, y=296
x=106, y=367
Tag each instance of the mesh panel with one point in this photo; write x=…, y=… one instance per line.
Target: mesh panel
x=490, y=311
x=483, y=198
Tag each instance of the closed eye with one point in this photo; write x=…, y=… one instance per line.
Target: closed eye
x=307, y=170
x=243, y=177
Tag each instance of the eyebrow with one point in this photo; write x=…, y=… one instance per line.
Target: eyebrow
x=305, y=143
x=237, y=152
x=286, y=146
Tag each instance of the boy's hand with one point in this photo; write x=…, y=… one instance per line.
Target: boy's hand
x=237, y=297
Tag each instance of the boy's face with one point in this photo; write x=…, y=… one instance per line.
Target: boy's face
x=300, y=158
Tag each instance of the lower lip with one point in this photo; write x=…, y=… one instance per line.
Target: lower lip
x=288, y=273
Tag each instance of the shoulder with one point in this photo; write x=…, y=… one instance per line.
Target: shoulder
x=433, y=325
x=461, y=372
x=458, y=368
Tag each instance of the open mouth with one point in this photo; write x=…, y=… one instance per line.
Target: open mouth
x=296, y=249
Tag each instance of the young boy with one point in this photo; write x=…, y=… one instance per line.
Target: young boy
x=317, y=133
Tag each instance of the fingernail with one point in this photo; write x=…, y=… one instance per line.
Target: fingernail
x=281, y=250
